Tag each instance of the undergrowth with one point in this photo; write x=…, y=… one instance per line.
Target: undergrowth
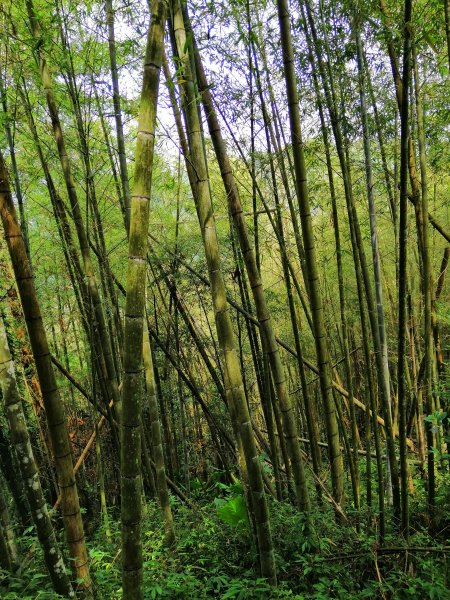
x=215, y=557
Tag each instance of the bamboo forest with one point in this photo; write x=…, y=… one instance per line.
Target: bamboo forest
x=225, y=299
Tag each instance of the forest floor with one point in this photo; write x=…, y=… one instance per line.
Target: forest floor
x=215, y=558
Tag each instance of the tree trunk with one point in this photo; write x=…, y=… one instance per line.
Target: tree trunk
x=157, y=447
x=52, y=401
x=126, y=200
x=98, y=313
x=233, y=377
x=335, y=455
x=28, y=469
x=135, y=311
x=429, y=354
x=402, y=268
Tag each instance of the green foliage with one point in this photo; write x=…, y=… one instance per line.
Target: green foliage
x=232, y=509
x=215, y=558
x=438, y=420
x=36, y=587
x=233, y=512
x=215, y=555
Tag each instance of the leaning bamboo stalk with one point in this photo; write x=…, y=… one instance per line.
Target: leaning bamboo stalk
x=125, y=201
x=22, y=445
x=15, y=170
x=427, y=291
x=233, y=377
x=8, y=548
x=402, y=268
x=335, y=454
x=156, y=439
x=256, y=284
x=94, y=295
x=50, y=394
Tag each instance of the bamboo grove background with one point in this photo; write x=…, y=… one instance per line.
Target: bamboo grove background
x=223, y=283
